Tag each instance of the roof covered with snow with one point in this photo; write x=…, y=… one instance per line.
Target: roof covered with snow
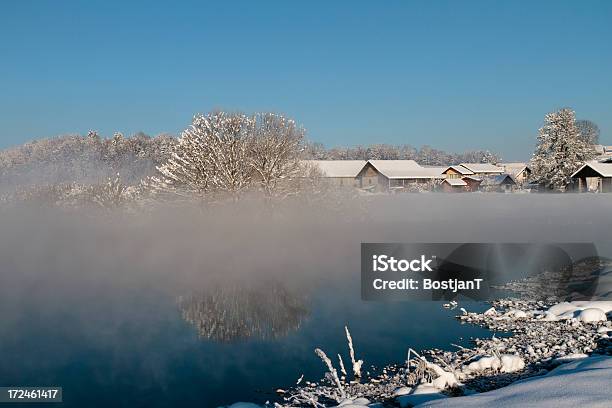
x=338, y=168
x=406, y=169
x=514, y=169
x=483, y=167
x=604, y=169
x=497, y=180
x=461, y=170
x=471, y=178
x=455, y=182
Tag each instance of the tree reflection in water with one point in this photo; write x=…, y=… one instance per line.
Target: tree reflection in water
x=231, y=312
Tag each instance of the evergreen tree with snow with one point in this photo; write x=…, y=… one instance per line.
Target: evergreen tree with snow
x=560, y=150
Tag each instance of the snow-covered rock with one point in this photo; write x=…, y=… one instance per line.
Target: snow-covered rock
x=511, y=363
x=490, y=312
x=483, y=363
x=584, y=311
x=517, y=314
x=507, y=363
x=592, y=315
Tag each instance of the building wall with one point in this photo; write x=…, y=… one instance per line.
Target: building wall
x=472, y=185
x=523, y=176
x=368, y=177
x=447, y=188
x=606, y=185
x=342, y=181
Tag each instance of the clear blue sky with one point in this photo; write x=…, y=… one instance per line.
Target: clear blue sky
x=455, y=75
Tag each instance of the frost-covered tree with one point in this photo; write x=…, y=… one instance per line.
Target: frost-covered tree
x=222, y=153
x=560, y=151
x=589, y=131
x=274, y=152
x=211, y=155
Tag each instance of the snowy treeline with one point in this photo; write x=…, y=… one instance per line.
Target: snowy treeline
x=220, y=154
x=561, y=150
x=82, y=159
x=426, y=155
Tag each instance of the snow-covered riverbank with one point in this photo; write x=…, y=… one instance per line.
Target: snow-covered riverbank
x=542, y=337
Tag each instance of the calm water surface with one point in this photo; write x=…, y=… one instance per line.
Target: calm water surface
x=145, y=348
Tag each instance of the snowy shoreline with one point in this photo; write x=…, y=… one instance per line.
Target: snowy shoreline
x=544, y=335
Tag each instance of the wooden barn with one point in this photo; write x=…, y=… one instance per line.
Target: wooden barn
x=596, y=174
x=341, y=173
x=399, y=175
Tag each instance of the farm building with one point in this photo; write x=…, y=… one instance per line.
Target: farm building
x=595, y=174
x=502, y=183
x=520, y=172
x=398, y=175
x=338, y=172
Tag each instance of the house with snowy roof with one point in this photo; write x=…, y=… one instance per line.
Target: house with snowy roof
x=472, y=169
x=594, y=176
x=501, y=183
x=519, y=171
x=399, y=175
x=341, y=173
x=457, y=172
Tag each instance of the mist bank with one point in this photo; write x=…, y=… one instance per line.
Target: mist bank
x=179, y=246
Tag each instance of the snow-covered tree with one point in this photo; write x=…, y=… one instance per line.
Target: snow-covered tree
x=211, y=155
x=222, y=153
x=560, y=151
x=274, y=152
x=589, y=131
